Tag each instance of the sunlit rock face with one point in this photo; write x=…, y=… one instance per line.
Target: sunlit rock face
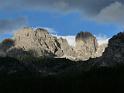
x=41, y=42
x=87, y=40
x=86, y=44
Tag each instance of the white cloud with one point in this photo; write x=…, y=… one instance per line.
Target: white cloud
x=102, y=39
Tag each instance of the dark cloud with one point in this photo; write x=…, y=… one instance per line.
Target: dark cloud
x=10, y=25
x=99, y=10
x=89, y=6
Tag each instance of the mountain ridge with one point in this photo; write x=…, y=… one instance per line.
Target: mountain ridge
x=54, y=74
x=42, y=43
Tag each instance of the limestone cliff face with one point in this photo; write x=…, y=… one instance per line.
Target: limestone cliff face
x=41, y=42
x=86, y=40
x=86, y=45
x=30, y=42
x=37, y=41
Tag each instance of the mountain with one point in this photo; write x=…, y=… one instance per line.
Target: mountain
x=86, y=45
x=114, y=53
x=39, y=42
x=54, y=74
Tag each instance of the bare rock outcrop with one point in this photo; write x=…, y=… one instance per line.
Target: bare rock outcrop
x=114, y=53
x=115, y=47
x=66, y=48
x=86, y=45
x=41, y=42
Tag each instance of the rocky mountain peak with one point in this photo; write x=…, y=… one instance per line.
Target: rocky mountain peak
x=114, y=53
x=117, y=39
x=41, y=42
x=38, y=42
x=84, y=36
x=42, y=30
x=86, y=39
x=86, y=44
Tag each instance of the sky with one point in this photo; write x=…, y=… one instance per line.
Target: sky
x=103, y=18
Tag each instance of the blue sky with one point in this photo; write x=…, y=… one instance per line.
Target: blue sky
x=63, y=22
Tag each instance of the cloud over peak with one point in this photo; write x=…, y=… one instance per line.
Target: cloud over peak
x=10, y=25
x=101, y=10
